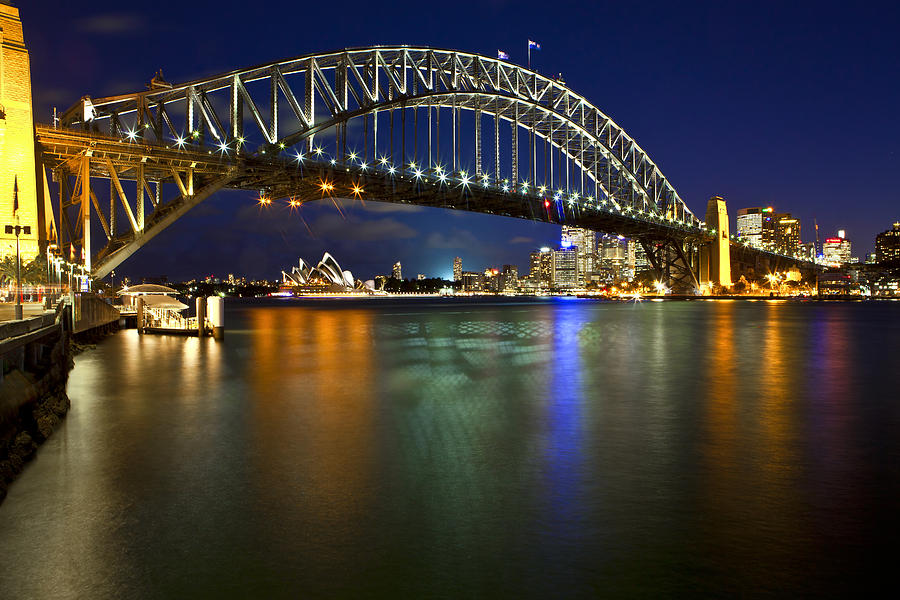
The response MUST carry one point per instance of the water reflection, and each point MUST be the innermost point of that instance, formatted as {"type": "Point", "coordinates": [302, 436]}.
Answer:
{"type": "Point", "coordinates": [421, 449]}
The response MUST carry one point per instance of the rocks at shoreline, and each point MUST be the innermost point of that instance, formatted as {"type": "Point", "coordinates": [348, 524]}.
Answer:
{"type": "Point", "coordinates": [32, 407]}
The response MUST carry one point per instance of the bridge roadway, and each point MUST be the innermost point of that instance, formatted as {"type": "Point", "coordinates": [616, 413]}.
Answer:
{"type": "Point", "coordinates": [309, 179]}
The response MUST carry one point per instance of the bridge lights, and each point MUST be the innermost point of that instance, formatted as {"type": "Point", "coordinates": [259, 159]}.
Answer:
{"type": "Point", "coordinates": [333, 161]}
{"type": "Point", "coordinates": [264, 200]}
{"type": "Point", "coordinates": [352, 156]}
{"type": "Point", "coordinates": [383, 160]}
{"type": "Point", "coordinates": [543, 189]}
{"type": "Point", "coordinates": [363, 166]}
{"type": "Point", "coordinates": [131, 134]}
{"type": "Point", "coordinates": [298, 157]}
{"type": "Point", "coordinates": [418, 173]}
{"type": "Point", "coordinates": [180, 141]}
{"type": "Point", "coordinates": [240, 140]}
{"type": "Point", "coordinates": [223, 147]}
{"type": "Point", "coordinates": [326, 186]}
{"type": "Point", "coordinates": [318, 151]}
{"type": "Point", "coordinates": [281, 145]}
{"type": "Point", "coordinates": [294, 202]}
{"type": "Point", "coordinates": [546, 203]}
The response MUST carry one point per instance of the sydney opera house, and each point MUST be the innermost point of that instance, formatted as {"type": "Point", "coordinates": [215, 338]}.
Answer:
{"type": "Point", "coordinates": [325, 278]}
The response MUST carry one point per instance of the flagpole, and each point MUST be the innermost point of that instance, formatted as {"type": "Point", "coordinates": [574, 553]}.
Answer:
{"type": "Point", "coordinates": [18, 279]}
{"type": "Point", "coordinates": [529, 55]}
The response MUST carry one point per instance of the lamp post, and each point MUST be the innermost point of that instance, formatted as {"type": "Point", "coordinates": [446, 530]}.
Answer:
{"type": "Point", "coordinates": [18, 229]}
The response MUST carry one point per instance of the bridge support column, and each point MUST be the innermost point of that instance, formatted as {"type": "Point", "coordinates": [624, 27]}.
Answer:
{"type": "Point", "coordinates": [18, 170]}
{"type": "Point", "coordinates": [86, 211]}
{"type": "Point", "coordinates": [715, 257]}
{"type": "Point", "coordinates": [671, 262]}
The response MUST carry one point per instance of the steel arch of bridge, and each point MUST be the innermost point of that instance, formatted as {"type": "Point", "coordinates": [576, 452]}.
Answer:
{"type": "Point", "coordinates": [286, 128]}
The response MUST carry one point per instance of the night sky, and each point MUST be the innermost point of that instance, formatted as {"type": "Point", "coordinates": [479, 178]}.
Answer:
{"type": "Point", "coordinates": [765, 103]}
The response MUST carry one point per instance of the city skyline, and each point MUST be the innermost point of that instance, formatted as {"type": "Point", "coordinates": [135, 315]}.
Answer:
{"type": "Point", "coordinates": [747, 99]}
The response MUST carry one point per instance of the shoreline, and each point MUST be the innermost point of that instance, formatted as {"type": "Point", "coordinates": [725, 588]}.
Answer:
{"type": "Point", "coordinates": [33, 404]}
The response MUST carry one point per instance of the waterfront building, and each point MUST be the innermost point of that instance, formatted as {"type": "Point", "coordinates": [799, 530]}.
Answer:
{"type": "Point", "coordinates": [420, 277]}
{"type": "Point", "coordinates": [613, 252]}
{"type": "Point", "coordinates": [787, 234]}
{"type": "Point", "coordinates": [398, 271]}
{"type": "Point", "coordinates": [491, 281]}
{"type": "Point", "coordinates": [457, 269]}
{"type": "Point", "coordinates": [585, 243]}
{"type": "Point", "coordinates": [541, 267]}
{"type": "Point", "coordinates": [887, 247]}
{"type": "Point", "coordinates": [472, 281]}
{"type": "Point", "coordinates": [756, 227]}
{"type": "Point", "coordinates": [836, 250]}
{"type": "Point", "coordinates": [639, 261]}
{"type": "Point", "coordinates": [509, 278]}
{"type": "Point", "coordinates": [565, 268]}
{"type": "Point", "coordinates": [327, 276]}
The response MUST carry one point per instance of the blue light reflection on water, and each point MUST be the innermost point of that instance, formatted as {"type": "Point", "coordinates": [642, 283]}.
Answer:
{"type": "Point", "coordinates": [564, 430]}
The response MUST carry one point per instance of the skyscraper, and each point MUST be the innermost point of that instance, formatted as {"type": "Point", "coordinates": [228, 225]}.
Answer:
{"type": "Point", "coordinates": [457, 269]}
{"type": "Point", "coordinates": [836, 251]}
{"type": "Point", "coordinates": [509, 278]}
{"type": "Point", "coordinates": [541, 267]}
{"type": "Point", "coordinates": [613, 255]}
{"type": "Point", "coordinates": [565, 268]}
{"type": "Point", "coordinates": [887, 247]}
{"type": "Point", "coordinates": [585, 243]}
{"type": "Point", "coordinates": [787, 234]}
{"type": "Point", "coordinates": [640, 261]}
{"type": "Point", "coordinates": [756, 227]}
{"type": "Point", "coordinates": [398, 273]}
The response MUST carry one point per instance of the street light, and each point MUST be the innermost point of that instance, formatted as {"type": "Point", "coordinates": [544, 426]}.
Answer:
{"type": "Point", "coordinates": [18, 229]}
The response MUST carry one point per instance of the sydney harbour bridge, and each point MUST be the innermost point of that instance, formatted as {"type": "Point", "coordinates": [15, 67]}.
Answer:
{"type": "Point", "coordinates": [402, 124]}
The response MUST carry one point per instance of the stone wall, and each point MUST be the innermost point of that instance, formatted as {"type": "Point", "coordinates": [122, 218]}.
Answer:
{"type": "Point", "coordinates": [32, 399]}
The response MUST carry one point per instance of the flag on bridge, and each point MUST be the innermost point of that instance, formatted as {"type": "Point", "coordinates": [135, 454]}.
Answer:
{"type": "Point", "coordinates": [534, 45]}
{"type": "Point", "coordinates": [502, 55]}
{"type": "Point", "coordinates": [15, 195]}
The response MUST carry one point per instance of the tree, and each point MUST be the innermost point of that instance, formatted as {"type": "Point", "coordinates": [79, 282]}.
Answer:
{"type": "Point", "coordinates": [33, 271]}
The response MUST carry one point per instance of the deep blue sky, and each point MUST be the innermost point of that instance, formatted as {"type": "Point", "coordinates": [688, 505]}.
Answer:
{"type": "Point", "coordinates": [779, 103]}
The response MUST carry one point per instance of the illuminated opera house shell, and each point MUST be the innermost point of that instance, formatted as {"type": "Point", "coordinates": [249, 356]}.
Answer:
{"type": "Point", "coordinates": [327, 275]}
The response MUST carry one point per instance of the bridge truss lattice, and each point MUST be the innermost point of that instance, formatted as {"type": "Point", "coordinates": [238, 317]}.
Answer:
{"type": "Point", "coordinates": [398, 124]}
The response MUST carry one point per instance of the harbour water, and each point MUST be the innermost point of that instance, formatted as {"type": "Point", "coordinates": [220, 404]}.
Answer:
{"type": "Point", "coordinates": [445, 448]}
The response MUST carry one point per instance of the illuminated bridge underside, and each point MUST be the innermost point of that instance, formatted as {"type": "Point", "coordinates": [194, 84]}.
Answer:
{"type": "Point", "coordinates": [513, 143]}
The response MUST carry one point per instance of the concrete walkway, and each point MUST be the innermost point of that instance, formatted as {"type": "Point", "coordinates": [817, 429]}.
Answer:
{"type": "Point", "coordinates": [8, 310]}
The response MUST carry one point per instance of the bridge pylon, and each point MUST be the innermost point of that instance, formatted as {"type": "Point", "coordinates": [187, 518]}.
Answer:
{"type": "Point", "coordinates": [715, 256]}
{"type": "Point", "coordinates": [19, 171]}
